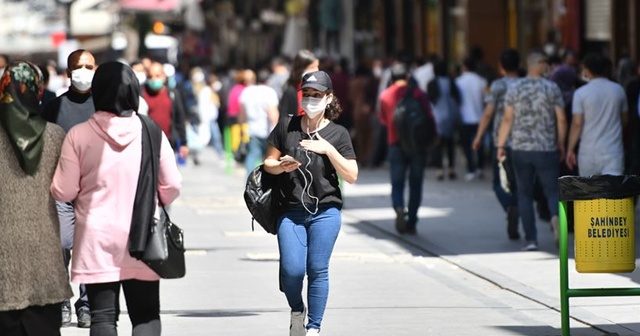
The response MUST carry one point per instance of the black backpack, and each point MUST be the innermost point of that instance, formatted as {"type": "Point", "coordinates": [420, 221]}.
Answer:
{"type": "Point", "coordinates": [261, 199]}
{"type": "Point", "coordinates": [415, 128]}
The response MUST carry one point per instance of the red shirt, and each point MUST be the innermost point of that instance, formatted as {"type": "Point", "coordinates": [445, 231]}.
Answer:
{"type": "Point", "coordinates": [389, 98]}
{"type": "Point", "coordinates": [160, 106]}
{"type": "Point", "coordinates": [233, 101]}
{"type": "Point", "coordinates": [300, 110]}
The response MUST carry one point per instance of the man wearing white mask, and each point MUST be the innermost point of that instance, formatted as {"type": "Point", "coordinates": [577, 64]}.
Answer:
{"type": "Point", "coordinates": [75, 105]}
{"type": "Point", "coordinates": [141, 75]}
{"type": "Point", "coordinates": [71, 108]}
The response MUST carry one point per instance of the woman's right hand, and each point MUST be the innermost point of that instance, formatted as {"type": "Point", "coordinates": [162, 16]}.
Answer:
{"type": "Point", "coordinates": [289, 166]}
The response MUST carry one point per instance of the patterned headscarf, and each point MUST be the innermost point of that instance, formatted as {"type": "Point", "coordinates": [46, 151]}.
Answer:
{"type": "Point", "coordinates": [21, 87]}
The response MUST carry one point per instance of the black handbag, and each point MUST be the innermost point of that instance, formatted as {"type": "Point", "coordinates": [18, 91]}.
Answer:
{"type": "Point", "coordinates": [164, 253]}
{"type": "Point", "coordinates": [157, 242]}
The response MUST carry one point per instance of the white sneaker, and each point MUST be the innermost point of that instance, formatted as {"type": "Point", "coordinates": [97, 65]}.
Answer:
{"type": "Point", "coordinates": [313, 332]}
{"type": "Point", "coordinates": [297, 327]}
{"type": "Point", "coordinates": [531, 245]}
{"type": "Point", "coordinates": [470, 176]}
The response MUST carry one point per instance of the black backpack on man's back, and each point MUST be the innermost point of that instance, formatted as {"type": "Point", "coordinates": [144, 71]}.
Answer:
{"type": "Point", "coordinates": [416, 129]}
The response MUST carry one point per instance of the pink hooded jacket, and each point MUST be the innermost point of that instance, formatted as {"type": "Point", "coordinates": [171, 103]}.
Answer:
{"type": "Point", "coordinates": [98, 170]}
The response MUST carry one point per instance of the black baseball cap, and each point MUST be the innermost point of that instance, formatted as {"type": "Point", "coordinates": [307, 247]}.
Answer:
{"type": "Point", "coordinates": [318, 80]}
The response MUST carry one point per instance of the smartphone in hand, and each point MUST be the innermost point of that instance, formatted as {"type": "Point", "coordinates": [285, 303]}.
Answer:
{"type": "Point", "coordinates": [288, 158]}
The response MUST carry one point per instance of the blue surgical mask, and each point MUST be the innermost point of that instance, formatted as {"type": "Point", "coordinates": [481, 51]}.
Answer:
{"type": "Point", "coordinates": [155, 84]}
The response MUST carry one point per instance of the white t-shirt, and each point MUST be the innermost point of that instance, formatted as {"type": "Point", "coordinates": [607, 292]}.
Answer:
{"type": "Point", "coordinates": [423, 75]}
{"type": "Point", "coordinates": [472, 88]}
{"type": "Point", "coordinates": [143, 107]}
{"type": "Point", "coordinates": [256, 99]}
{"type": "Point", "coordinates": [602, 103]}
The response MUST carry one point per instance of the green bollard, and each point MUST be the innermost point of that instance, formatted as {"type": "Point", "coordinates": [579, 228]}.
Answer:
{"type": "Point", "coordinates": [228, 154]}
{"type": "Point", "coordinates": [564, 268]}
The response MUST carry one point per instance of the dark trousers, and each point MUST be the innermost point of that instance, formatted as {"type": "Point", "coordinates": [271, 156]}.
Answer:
{"type": "Point", "coordinates": [32, 321]}
{"type": "Point", "coordinates": [143, 305]}
{"type": "Point", "coordinates": [400, 163]}
{"type": "Point", "coordinates": [530, 165]}
{"type": "Point", "coordinates": [475, 159]}
{"type": "Point", "coordinates": [446, 146]}
{"type": "Point", "coordinates": [67, 217]}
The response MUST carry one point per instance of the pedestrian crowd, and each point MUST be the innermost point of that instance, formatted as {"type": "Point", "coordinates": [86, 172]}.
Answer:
{"type": "Point", "coordinates": [70, 147]}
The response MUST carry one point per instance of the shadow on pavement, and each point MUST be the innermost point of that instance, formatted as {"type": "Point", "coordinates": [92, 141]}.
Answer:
{"type": "Point", "coordinates": [216, 313]}
{"type": "Point", "coordinates": [549, 331]}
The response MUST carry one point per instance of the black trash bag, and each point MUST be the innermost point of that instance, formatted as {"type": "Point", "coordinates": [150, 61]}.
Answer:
{"type": "Point", "coordinates": [578, 188]}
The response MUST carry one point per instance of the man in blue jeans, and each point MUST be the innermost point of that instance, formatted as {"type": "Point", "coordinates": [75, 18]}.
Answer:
{"type": "Point", "coordinates": [493, 112]}
{"type": "Point", "coordinates": [399, 161]}
{"type": "Point", "coordinates": [534, 116]}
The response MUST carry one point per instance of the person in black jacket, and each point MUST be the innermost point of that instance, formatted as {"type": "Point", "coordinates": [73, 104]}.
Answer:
{"type": "Point", "coordinates": [73, 107]}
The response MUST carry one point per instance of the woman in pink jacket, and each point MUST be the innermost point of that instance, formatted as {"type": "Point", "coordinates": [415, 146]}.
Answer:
{"type": "Point", "coordinates": [98, 170]}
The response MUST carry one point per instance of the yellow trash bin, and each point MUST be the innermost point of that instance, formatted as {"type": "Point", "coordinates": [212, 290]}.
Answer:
{"type": "Point", "coordinates": [604, 235]}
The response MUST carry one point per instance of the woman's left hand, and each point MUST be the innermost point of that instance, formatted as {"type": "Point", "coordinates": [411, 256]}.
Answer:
{"type": "Point", "coordinates": [320, 146]}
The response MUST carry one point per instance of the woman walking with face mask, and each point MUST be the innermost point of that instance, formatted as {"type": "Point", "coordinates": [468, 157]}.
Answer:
{"type": "Point", "coordinates": [309, 153]}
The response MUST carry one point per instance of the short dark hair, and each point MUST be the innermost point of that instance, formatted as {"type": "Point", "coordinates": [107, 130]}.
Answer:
{"type": "Point", "coordinates": [45, 73]}
{"type": "Point", "coordinates": [440, 67]}
{"type": "Point", "coordinates": [75, 56]}
{"type": "Point", "coordinates": [510, 60]}
{"type": "Point", "coordinates": [596, 63]}
{"type": "Point", "coordinates": [469, 63]}
{"type": "Point", "coordinates": [263, 76]}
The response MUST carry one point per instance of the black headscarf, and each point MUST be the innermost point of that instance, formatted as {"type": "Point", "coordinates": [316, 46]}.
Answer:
{"type": "Point", "coordinates": [21, 87]}
{"type": "Point", "coordinates": [115, 89]}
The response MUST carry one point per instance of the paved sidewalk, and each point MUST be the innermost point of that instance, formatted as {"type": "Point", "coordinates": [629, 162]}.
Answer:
{"type": "Point", "coordinates": [459, 276]}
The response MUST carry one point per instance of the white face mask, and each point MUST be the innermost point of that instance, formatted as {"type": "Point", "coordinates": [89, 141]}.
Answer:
{"type": "Point", "coordinates": [217, 86]}
{"type": "Point", "coordinates": [141, 76]}
{"type": "Point", "coordinates": [313, 106]}
{"type": "Point", "coordinates": [81, 79]}
{"type": "Point", "coordinates": [377, 72]}
{"type": "Point", "coordinates": [198, 77]}
{"type": "Point", "coordinates": [1, 72]}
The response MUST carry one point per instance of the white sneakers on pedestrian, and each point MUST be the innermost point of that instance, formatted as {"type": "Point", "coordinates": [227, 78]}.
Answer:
{"type": "Point", "coordinates": [313, 332]}
{"type": "Point", "coordinates": [297, 327]}
{"type": "Point", "coordinates": [531, 245]}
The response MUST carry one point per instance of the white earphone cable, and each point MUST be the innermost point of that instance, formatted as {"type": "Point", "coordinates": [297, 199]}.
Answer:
{"type": "Point", "coordinates": [308, 183]}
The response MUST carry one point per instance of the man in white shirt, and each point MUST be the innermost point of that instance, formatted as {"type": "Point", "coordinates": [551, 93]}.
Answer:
{"type": "Point", "coordinates": [599, 111]}
{"type": "Point", "coordinates": [259, 109]}
{"type": "Point", "coordinates": [472, 87]}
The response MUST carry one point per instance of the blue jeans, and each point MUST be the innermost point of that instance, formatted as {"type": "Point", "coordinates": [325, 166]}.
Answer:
{"type": "Point", "coordinates": [399, 163]}
{"type": "Point", "coordinates": [306, 242]}
{"type": "Point", "coordinates": [216, 137]}
{"type": "Point", "coordinates": [256, 153]}
{"type": "Point", "coordinates": [529, 165]}
{"type": "Point", "coordinates": [507, 200]}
